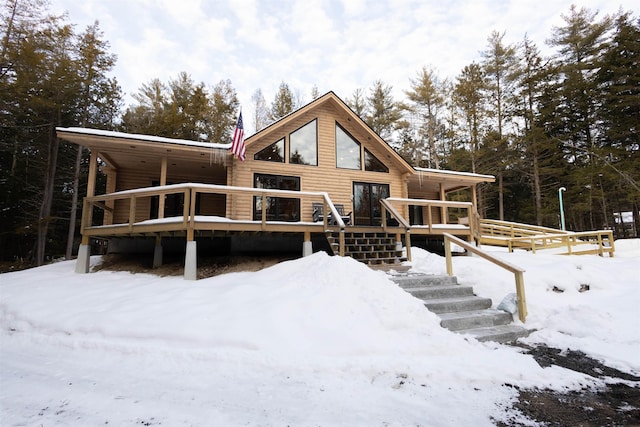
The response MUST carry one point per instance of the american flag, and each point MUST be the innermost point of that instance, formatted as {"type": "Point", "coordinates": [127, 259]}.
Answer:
{"type": "Point", "coordinates": [237, 145]}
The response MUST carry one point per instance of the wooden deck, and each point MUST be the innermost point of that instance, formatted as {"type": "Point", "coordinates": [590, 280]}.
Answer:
{"type": "Point", "coordinates": [192, 224]}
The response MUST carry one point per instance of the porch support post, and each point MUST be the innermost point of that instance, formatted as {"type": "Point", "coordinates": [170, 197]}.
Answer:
{"type": "Point", "coordinates": [157, 253]}
{"type": "Point", "coordinates": [190, 261]}
{"type": "Point", "coordinates": [398, 241]}
{"type": "Point", "coordinates": [157, 250]}
{"type": "Point", "coordinates": [307, 247]}
{"type": "Point", "coordinates": [112, 175]}
{"type": "Point", "coordinates": [191, 254]}
{"type": "Point", "coordinates": [163, 181]}
{"type": "Point", "coordinates": [474, 197]}
{"type": "Point", "coordinates": [91, 179]}
{"type": "Point", "coordinates": [443, 209]}
{"type": "Point", "coordinates": [84, 253]}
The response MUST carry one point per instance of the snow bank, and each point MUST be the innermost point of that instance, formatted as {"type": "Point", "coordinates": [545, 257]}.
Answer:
{"type": "Point", "coordinates": [316, 341]}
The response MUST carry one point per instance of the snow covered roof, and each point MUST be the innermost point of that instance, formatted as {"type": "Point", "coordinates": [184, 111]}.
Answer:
{"type": "Point", "coordinates": [148, 138]}
{"type": "Point", "coordinates": [459, 174]}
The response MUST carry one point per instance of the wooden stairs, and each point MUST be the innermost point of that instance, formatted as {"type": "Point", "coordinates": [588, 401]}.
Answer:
{"type": "Point", "coordinates": [377, 249]}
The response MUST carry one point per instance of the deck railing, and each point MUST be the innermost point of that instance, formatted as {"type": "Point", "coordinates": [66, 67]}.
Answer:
{"type": "Point", "coordinates": [587, 242]}
{"type": "Point", "coordinates": [508, 229]}
{"type": "Point", "coordinates": [445, 207]}
{"type": "Point", "coordinates": [517, 271]}
{"type": "Point", "coordinates": [190, 191]}
{"type": "Point", "coordinates": [515, 235]}
{"type": "Point", "coordinates": [388, 208]}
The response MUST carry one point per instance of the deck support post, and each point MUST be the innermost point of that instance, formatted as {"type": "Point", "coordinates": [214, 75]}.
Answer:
{"type": "Point", "coordinates": [307, 247]}
{"type": "Point", "coordinates": [157, 253]}
{"type": "Point", "coordinates": [190, 261]}
{"type": "Point", "coordinates": [84, 254]}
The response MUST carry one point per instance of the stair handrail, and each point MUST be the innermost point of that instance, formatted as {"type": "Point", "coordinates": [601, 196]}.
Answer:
{"type": "Point", "coordinates": [328, 203]}
{"type": "Point", "coordinates": [387, 207]}
{"type": "Point", "coordinates": [517, 271]}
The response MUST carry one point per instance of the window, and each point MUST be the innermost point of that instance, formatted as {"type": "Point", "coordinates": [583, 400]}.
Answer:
{"type": "Point", "coordinates": [173, 203]}
{"type": "Point", "coordinates": [273, 153]}
{"type": "Point", "coordinates": [303, 145]}
{"type": "Point", "coordinates": [277, 208]}
{"type": "Point", "coordinates": [371, 163]}
{"type": "Point", "coordinates": [347, 150]}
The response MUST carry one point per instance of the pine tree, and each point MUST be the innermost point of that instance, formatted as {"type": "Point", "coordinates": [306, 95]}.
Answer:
{"type": "Point", "coordinates": [260, 111]}
{"type": "Point", "coordinates": [147, 117]}
{"type": "Point", "coordinates": [426, 103]}
{"type": "Point", "coordinates": [358, 103]}
{"type": "Point", "coordinates": [42, 85]}
{"type": "Point", "coordinates": [619, 82]}
{"type": "Point", "coordinates": [580, 42]}
{"type": "Point", "coordinates": [538, 152]}
{"type": "Point", "coordinates": [183, 109]}
{"type": "Point", "coordinates": [99, 104]}
{"type": "Point", "coordinates": [468, 98]}
{"type": "Point", "coordinates": [499, 67]}
{"type": "Point", "coordinates": [384, 113]}
{"type": "Point", "coordinates": [224, 108]}
{"type": "Point", "coordinates": [283, 103]}
{"type": "Point", "coordinates": [315, 93]}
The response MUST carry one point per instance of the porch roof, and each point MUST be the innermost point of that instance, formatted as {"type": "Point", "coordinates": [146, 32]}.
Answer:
{"type": "Point", "coordinates": [429, 180]}
{"type": "Point", "coordinates": [126, 150]}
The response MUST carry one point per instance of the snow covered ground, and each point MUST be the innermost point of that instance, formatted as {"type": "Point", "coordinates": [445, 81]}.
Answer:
{"type": "Point", "coordinates": [319, 341]}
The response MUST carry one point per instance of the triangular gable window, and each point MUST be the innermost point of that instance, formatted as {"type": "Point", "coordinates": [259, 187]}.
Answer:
{"type": "Point", "coordinates": [273, 153]}
{"type": "Point", "coordinates": [371, 163]}
{"type": "Point", "coordinates": [347, 150]}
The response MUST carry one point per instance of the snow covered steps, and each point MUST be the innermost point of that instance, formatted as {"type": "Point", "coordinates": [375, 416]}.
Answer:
{"type": "Point", "coordinates": [459, 309]}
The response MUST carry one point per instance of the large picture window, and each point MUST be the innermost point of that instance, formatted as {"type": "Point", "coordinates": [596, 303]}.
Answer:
{"type": "Point", "coordinates": [277, 208]}
{"type": "Point", "coordinates": [350, 156]}
{"type": "Point", "coordinates": [347, 150]}
{"type": "Point", "coordinates": [303, 145]}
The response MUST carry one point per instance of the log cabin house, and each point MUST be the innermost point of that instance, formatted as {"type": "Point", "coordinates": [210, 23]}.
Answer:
{"type": "Point", "coordinates": [320, 177]}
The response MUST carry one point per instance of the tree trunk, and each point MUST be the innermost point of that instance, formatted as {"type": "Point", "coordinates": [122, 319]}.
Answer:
{"type": "Point", "coordinates": [14, 159]}
{"type": "Point", "coordinates": [47, 196]}
{"type": "Point", "coordinates": [501, 196]}
{"type": "Point", "coordinates": [74, 205]}
{"type": "Point", "coordinates": [537, 191]}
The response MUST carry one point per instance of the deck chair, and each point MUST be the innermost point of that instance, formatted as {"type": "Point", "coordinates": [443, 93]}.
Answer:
{"type": "Point", "coordinates": [318, 214]}
{"type": "Point", "coordinates": [346, 218]}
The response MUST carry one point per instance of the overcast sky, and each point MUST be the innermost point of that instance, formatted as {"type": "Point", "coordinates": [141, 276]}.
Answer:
{"type": "Point", "coordinates": [337, 45]}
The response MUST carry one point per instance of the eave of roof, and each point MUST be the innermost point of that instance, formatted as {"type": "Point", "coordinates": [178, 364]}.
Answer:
{"type": "Point", "coordinates": [457, 175]}
{"type": "Point", "coordinates": [140, 137]}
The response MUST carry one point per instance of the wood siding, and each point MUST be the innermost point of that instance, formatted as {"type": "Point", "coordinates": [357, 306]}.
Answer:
{"type": "Point", "coordinates": [129, 179]}
{"type": "Point", "coordinates": [325, 177]}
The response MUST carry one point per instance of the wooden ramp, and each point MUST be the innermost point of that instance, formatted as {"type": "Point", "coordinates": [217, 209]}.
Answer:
{"type": "Point", "coordinates": [515, 235]}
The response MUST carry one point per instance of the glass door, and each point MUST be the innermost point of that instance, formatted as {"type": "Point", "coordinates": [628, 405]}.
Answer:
{"type": "Point", "coordinates": [366, 202]}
